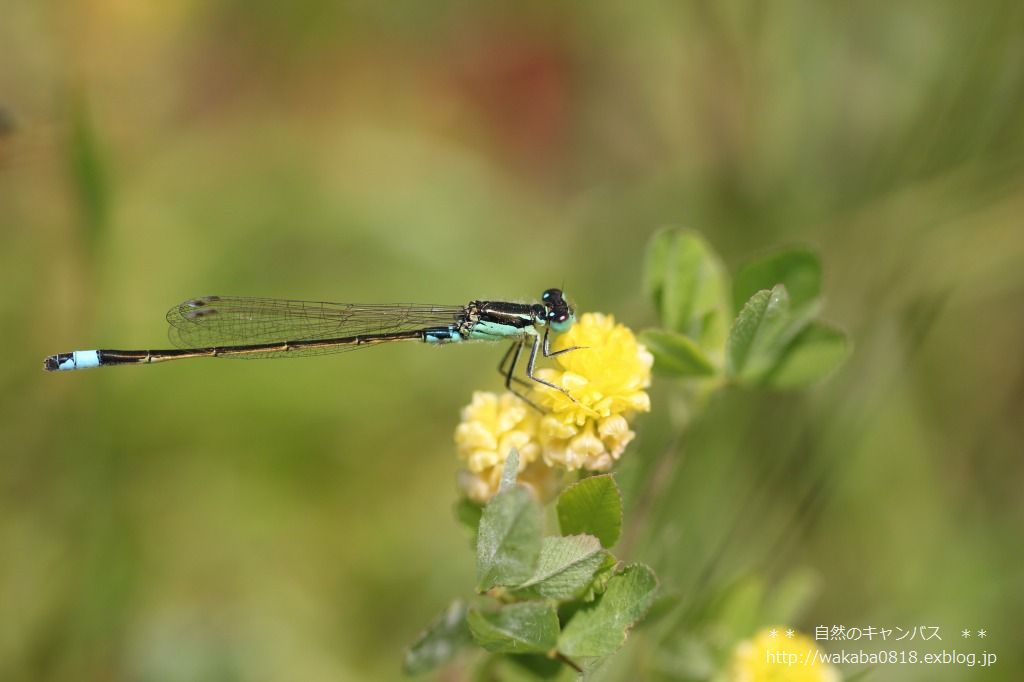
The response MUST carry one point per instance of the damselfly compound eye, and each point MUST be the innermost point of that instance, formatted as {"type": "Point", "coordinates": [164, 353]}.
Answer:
{"type": "Point", "coordinates": [552, 295]}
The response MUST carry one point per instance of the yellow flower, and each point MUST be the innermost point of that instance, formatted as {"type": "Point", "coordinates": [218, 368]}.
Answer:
{"type": "Point", "coordinates": [491, 427]}
{"type": "Point", "coordinates": [606, 376]}
{"type": "Point", "coordinates": [765, 658]}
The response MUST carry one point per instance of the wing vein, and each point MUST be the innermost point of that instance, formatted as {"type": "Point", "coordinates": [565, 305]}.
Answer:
{"type": "Point", "coordinates": [235, 320]}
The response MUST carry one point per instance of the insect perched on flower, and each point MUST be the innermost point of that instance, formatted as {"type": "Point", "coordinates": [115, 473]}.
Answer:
{"type": "Point", "coordinates": [586, 427]}
{"type": "Point", "coordinates": [606, 379]}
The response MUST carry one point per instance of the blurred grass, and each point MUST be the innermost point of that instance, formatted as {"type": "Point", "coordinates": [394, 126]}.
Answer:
{"type": "Point", "coordinates": [292, 520]}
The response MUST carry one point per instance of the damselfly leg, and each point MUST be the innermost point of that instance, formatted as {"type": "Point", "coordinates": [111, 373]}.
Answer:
{"type": "Point", "coordinates": [507, 372]}
{"type": "Point", "coordinates": [532, 362]}
{"type": "Point", "coordinates": [547, 347]}
{"type": "Point", "coordinates": [507, 368]}
{"type": "Point", "coordinates": [515, 350]}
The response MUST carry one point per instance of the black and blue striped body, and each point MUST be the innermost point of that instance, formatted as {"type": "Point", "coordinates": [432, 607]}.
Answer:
{"type": "Point", "coordinates": [203, 319]}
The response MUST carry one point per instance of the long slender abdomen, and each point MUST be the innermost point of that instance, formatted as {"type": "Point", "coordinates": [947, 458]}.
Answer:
{"type": "Point", "coordinates": [87, 359]}
{"type": "Point", "coordinates": [84, 359]}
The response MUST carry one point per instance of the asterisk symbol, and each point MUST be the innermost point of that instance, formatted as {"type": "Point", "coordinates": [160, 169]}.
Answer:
{"type": "Point", "coordinates": [966, 633]}
{"type": "Point", "coordinates": [773, 633]}
{"type": "Point", "coordinates": [982, 633]}
{"type": "Point", "coordinates": [790, 633]}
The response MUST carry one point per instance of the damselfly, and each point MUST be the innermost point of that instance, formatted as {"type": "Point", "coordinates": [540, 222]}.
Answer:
{"type": "Point", "coordinates": [241, 327]}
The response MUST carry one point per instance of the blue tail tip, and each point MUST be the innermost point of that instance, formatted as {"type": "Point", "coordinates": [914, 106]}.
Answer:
{"type": "Point", "coordinates": [79, 359]}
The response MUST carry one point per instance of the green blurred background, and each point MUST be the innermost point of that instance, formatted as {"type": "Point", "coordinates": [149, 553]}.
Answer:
{"type": "Point", "coordinates": [292, 520]}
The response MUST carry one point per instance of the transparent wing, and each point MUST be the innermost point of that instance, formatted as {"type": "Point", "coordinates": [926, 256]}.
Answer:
{"type": "Point", "coordinates": [234, 320]}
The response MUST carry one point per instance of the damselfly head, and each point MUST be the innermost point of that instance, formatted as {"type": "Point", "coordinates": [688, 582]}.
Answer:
{"type": "Point", "coordinates": [559, 314]}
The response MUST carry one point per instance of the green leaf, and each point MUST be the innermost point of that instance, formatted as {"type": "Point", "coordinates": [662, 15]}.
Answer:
{"type": "Point", "coordinates": [468, 514]}
{"type": "Point", "coordinates": [798, 269]}
{"type": "Point", "coordinates": [686, 280]}
{"type": "Point", "coordinates": [599, 629]}
{"type": "Point", "coordinates": [603, 574]}
{"type": "Point", "coordinates": [656, 263]}
{"type": "Point", "coordinates": [440, 641]}
{"type": "Point", "coordinates": [761, 333]}
{"type": "Point", "coordinates": [676, 355]}
{"type": "Point", "coordinates": [810, 356]}
{"type": "Point", "coordinates": [523, 668]}
{"type": "Point", "coordinates": [509, 539]}
{"type": "Point", "coordinates": [749, 323]}
{"type": "Point", "coordinates": [533, 667]}
{"type": "Point", "coordinates": [566, 567]}
{"type": "Point", "coordinates": [528, 627]}
{"type": "Point", "coordinates": [592, 506]}
{"type": "Point", "coordinates": [510, 472]}
{"type": "Point", "coordinates": [662, 606]}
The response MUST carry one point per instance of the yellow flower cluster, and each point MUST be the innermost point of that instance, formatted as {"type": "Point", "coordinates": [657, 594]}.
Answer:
{"type": "Point", "coordinates": [491, 427]}
{"type": "Point", "coordinates": [778, 658]}
{"type": "Point", "coordinates": [606, 376]}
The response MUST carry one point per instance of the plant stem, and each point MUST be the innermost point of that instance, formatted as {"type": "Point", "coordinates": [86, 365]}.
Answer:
{"type": "Point", "coordinates": [568, 661]}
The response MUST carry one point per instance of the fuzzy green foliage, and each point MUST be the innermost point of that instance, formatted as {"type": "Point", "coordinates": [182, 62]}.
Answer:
{"type": "Point", "coordinates": [565, 597]}
{"type": "Point", "coordinates": [775, 339]}
{"type": "Point", "coordinates": [534, 578]}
